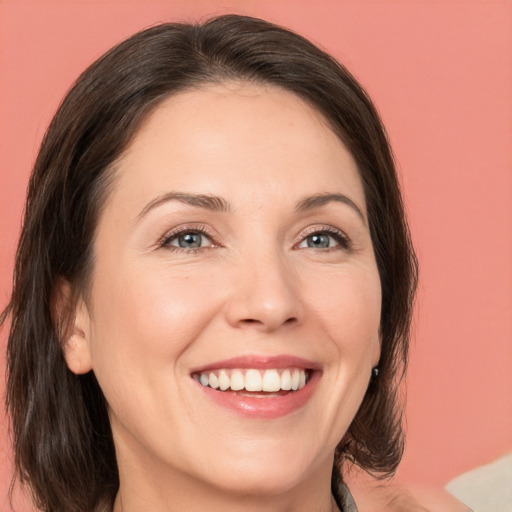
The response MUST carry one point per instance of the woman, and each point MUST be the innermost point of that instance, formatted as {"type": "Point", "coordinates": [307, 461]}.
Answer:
{"type": "Point", "coordinates": [214, 282]}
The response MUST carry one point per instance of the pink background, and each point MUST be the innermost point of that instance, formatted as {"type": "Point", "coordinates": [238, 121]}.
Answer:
{"type": "Point", "coordinates": [440, 73]}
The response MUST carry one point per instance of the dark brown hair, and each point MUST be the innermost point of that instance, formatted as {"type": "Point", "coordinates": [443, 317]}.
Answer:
{"type": "Point", "coordinates": [63, 444]}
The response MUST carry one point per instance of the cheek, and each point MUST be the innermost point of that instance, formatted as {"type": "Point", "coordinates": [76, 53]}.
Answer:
{"type": "Point", "coordinates": [145, 319]}
{"type": "Point", "coordinates": [349, 306]}
{"type": "Point", "coordinates": [347, 309]}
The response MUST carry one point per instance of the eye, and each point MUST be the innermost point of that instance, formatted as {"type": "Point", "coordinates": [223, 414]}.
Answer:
{"type": "Point", "coordinates": [325, 239]}
{"type": "Point", "coordinates": [188, 240]}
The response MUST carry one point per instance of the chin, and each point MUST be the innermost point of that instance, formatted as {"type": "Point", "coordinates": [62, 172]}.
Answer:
{"type": "Point", "coordinates": [267, 470]}
{"type": "Point", "coordinates": [258, 481]}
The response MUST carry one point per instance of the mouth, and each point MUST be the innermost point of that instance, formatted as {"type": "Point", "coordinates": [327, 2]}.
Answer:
{"type": "Point", "coordinates": [254, 380]}
{"type": "Point", "coordinates": [259, 387]}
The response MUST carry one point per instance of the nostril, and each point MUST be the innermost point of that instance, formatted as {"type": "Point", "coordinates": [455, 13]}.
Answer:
{"type": "Point", "coordinates": [290, 320]}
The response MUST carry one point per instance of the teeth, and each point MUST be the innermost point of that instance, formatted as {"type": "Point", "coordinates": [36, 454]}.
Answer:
{"type": "Point", "coordinates": [286, 380]}
{"type": "Point", "coordinates": [253, 380]}
{"type": "Point", "coordinates": [295, 380]}
{"type": "Point", "coordinates": [269, 381]}
{"type": "Point", "coordinates": [237, 380]}
{"type": "Point", "coordinates": [213, 381]}
{"type": "Point", "coordinates": [302, 380]}
{"type": "Point", "coordinates": [224, 381]}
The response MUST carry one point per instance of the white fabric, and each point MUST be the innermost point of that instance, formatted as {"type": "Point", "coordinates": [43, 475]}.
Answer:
{"type": "Point", "coordinates": [487, 488]}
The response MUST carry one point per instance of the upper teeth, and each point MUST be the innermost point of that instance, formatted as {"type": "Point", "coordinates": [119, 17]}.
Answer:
{"type": "Point", "coordinates": [254, 380]}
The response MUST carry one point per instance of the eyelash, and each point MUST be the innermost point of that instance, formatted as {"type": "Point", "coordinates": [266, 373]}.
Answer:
{"type": "Point", "coordinates": [183, 230]}
{"type": "Point", "coordinates": [341, 238]}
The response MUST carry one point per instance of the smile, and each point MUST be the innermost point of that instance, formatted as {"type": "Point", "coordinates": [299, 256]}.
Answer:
{"type": "Point", "coordinates": [264, 387]}
{"type": "Point", "coordinates": [255, 380]}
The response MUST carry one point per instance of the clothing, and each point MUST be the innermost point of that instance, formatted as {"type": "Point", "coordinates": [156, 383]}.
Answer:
{"type": "Point", "coordinates": [487, 488]}
{"type": "Point", "coordinates": [347, 504]}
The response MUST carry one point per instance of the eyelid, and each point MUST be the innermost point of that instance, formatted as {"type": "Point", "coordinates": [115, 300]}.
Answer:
{"type": "Point", "coordinates": [188, 228]}
{"type": "Point", "coordinates": [342, 238]}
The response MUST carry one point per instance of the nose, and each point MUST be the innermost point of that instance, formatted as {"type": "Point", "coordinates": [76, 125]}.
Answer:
{"type": "Point", "coordinates": [264, 295]}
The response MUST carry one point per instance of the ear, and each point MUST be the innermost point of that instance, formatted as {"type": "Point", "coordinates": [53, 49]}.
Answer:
{"type": "Point", "coordinates": [72, 320]}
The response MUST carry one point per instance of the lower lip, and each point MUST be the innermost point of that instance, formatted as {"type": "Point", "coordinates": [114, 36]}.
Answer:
{"type": "Point", "coordinates": [264, 407]}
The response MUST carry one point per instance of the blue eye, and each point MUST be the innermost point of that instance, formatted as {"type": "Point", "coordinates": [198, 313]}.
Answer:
{"type": "Point", "coordinates": [325, 240]}
{"type": "Point", "coordinates": [188, 240]}
{"type": "Point", "coordinates": [319, 241]}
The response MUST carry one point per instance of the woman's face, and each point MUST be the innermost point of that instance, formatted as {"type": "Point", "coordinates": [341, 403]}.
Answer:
{"type": "Point", "coordinates": [233, 252]}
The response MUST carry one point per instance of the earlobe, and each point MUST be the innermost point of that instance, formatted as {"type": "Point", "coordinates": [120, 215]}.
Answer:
{"type": "Point", "coordinates": [76, 346]}
{"type": "Point", "coordinates": [73, 323]}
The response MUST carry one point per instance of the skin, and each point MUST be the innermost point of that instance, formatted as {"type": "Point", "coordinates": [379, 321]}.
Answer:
{"type": "Point", "coordinates": [254, 287]}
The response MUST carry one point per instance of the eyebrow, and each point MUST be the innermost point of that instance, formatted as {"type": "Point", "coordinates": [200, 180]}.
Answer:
{"type": "Point", "coordinates": [218, 204]}
{"type": "Point", "coordinates": [322, 199]}
{"type": "Point", "coordinates": [205, 201]}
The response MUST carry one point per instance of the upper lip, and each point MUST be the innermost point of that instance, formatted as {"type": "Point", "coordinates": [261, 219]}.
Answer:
{"type": "Point", "coordinates": [259, 362]}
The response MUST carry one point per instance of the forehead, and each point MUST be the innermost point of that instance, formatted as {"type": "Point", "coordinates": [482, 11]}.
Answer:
{"type": "Point", "coordinates": [233, 137]}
